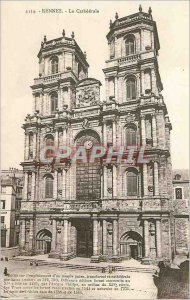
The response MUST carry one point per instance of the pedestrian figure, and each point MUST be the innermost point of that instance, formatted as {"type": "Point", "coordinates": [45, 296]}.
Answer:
{"type": "Point", "coordinates": [5, 271]}
{"type": "Point", "coordinates": [110, 269]}
{"type": "Point", "coordinates": [103, 270]}
{"type": "Point", "coordinates": [31, 263]}
{"type": "Point", "coordinates": [36, 263]}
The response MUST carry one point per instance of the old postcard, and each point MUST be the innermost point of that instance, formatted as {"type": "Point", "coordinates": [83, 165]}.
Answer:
{"type": "Point", "coordinates": [94, 179]}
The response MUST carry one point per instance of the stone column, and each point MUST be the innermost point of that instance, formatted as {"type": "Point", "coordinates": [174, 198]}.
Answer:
{"type": "Point", "coordinates": [145, 180]}
{"type": "Point", "coordinates": [54, 235]}
{"type": "Point", "coordinates": [115, 237]}
{"type": "Point", "coordinates": [71, 181]}
{"type": "Point", "coordinates": [65, 240]}
{"type": "Point", "coordinates": [95, 257]}
{"type": "Point", "coordinates": [114, 178]}
{"type": "Point", "coordinates": [69, 237]}
{"type": "Point", "coordinates": [31, 235]}
{"type": "Point", "coordinates": [57, 138]}
{"type": "Point", "coordinates": [60, 105]}
{"type": "Point", "coordinates": [64, 136]}
{"type": "Point", "coordinates": [33, 186]}
{"type": "Point", "coordinates": [156, 181]}
{"type": "Point", "coordinates": [142, 82]}
{"type": "Point", "coordinates": [153, 79]}
{"type": "Point", "coordinates": [65, 237]}
{"type": "Point", "coordinates": [104, 238]}
{"type": "Point", "coordinates": [114, 133]}
{"type": "Point", "coordinates": [26, 146]}
{"type": "Point", "coordinates": [25, 189]}
{"type": "Point", "coordinates": [143, 131]}
{"type": "Point", "coordinates": [146, 238]}
{"type": "Point", "coordinates": [55, 187]}
{"type": "Point", "coordinates": [158, 238]}
{"type": "Point", "coordinates": [107, 89]}
{"type": "Point", "coordinates": [105, 134]}
{"type": "Point", "coordinates": [154, 135]}
{"type": "Point", "coordinates": [105, 181]}
{"type": "Point", "coordinates": [69, 99]}
{"type": "Point", "coordinates": [116, 89]}
{"type": "Point", "coordinates": [41, 103]}
{"type": "Point", "coordinates": [63, 183]}
{"type": "Point", "coordinates": [34, 144]}
{"type": "Point", "coordinates": [22, 234]}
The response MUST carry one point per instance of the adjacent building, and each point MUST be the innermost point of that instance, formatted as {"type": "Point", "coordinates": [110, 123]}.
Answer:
{"type": "Point", "coordinates": [104, 211]}
{"type": "Point", "coordinates": [11, 195]}
{"type": "Point", "coordinates": [181, 211]}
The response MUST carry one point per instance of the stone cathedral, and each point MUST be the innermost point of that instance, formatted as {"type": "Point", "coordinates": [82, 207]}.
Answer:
{"type": "Point", "coordinates": [102, 211]}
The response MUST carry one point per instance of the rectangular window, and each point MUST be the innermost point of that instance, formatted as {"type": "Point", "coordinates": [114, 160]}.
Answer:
{"type": "Point", "coordinates": [2, 204]}
{"type": "Point", "coordinates": [2, 220]}
{"type": "Point", "coordinates": [178, 193]}
{"type": "Point", "coordinates": [3, 189]}
{"type": "Point", "coordinates": [148, 124]}
{"type": "Point", "coordinates": [131, 184]}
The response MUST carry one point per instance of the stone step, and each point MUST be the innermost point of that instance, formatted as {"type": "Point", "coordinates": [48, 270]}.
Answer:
{"type": "Point", "coordinates": [85, 267]}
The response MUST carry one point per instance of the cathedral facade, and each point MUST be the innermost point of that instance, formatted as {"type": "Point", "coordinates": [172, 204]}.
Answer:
{"type": "Point", "coordinates": [107, 211]}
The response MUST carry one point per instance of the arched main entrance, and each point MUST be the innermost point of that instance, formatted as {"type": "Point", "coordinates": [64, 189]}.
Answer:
{"type": "Point", "coordinates": [88, 174]}
{"type": "Point", "coordinates": [43, 241]}
{"type": "Point", "coordinates": [131, 245]}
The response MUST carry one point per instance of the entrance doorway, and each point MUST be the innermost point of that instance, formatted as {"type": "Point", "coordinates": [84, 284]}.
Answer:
{"type": "Point", "coordinates": [48, 246]}
{"type": "Point", "coordinates": [134, 251]}
{"type": "Point", "coordinates": [131, 245]}
{"type": "Point", "coordinates": [43, 241]}
{"type": "Point", "coordinates": [84, 238]}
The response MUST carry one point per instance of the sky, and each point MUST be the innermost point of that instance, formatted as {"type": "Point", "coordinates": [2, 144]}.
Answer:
{"type": "Point", "coordinates": [21, 36]}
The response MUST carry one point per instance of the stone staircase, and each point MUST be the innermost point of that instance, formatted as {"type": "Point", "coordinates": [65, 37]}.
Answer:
{"type": "Point", "coordinates": [101, 267]}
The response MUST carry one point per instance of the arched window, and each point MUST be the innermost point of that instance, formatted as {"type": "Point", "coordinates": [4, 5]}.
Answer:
{"type": "Point", "coordinates": [54, 65]}
{"type": "Point", "coordinates": [130, 46]}
{"type": "Point", "coordinates": [131, 88]}
{"type": "Point", "coordinates": [49, 143]}
{"type": "Point", "coordinates": [178, 193]}
{"type": "Point", "coordinates": [49, 186]}
{"type": "Point", "coordinates": [131, 136]}
{"type": "Point", "coordinates": [177, 177]}
{"type": "Point", "coordinates": [54, 102]}
{"type": "Point", "coordinates": [132, 182]}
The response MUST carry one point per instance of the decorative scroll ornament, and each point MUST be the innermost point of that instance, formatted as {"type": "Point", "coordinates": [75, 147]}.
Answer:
{"type": "Point", "coordinates": [59, 191]}
{"type": "Point", "coordinates": [67, 166]}
{"type": "Point", "coordinates": [48, 128]}
{"type": "Point", "coordinates": [130, 118]}
{"type": "Point", "coordinates": [85, 123]}
{"type": "Point", "coordinates": [132, 162]}
{"type": "Point", "coordinates": [110, 190]}
{"type": "Point", "coordinates": [48, 168]}
{"type": "Point", "coordinates": [88, 96]}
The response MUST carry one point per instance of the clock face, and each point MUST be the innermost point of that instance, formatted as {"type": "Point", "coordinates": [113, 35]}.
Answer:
{"type": "Point", "coordinates": [88, 145]}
